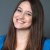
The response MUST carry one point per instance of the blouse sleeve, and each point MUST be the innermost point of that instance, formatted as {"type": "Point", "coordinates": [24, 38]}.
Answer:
{"type": "Point", "coordinates": [46, 45]}
{"type": "Point", "coordinates": [2, 38]}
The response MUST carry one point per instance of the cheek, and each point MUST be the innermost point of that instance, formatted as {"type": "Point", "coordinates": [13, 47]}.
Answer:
{"type": "Point", "coordinates": [29, 20]}
{"type": "Point", "coordinates": [16, 14]}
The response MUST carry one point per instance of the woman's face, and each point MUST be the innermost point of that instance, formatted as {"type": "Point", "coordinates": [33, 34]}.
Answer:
{"type": "Point", "coordinates": [23, 16]}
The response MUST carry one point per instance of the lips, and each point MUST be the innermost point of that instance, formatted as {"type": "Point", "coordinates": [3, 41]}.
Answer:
{"type": "Point", "coordinates": [20, 21]}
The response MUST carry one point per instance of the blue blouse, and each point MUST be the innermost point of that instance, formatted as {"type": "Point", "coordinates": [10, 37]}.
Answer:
{"type": "Point", "coordinates": [46, 45]}
{"type": "Point", "coordinates": [2, 39]}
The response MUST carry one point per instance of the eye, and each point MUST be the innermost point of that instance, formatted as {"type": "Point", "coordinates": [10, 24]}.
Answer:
{"type": "Point", "coordinates": [19, 10]}
{"type": "Point", "coordinates": [29, 14]}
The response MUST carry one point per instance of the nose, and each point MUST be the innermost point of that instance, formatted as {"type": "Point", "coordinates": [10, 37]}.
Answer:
{"type": "Point", "coordinates": [21, 16]}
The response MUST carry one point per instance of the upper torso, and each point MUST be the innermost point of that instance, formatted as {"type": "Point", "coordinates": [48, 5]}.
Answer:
{"type": "Point", "coordinates": [45, 45]}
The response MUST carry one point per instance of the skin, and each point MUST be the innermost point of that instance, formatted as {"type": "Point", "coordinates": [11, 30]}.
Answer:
{"type": "Point", "coordinates": [22, 21]}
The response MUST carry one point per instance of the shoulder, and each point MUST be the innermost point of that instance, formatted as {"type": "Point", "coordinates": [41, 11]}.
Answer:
{"type": "Point", "coordinates": [2, 39]}
{"type": "Point", "coordinates": [46, 45]}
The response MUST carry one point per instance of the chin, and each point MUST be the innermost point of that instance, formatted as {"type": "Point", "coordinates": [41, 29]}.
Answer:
{"type": "Point", "coordinates": [22, 28]}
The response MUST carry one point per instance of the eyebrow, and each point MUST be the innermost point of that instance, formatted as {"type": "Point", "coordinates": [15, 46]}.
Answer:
{"type": "Point", "coordinates": [20, 7]}
{"type": "Point", "coordinates": [29, 12]}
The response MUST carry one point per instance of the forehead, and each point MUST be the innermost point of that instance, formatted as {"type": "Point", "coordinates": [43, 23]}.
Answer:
{"type": "Point", "coordinates": [25, 5]}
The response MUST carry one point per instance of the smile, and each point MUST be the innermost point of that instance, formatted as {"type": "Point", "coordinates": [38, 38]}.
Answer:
{"type": "Point", "coordinates": [20, 21]}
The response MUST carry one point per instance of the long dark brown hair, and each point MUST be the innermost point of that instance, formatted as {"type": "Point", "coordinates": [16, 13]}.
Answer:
{"type": "Point", "coordinates": [36, 29]}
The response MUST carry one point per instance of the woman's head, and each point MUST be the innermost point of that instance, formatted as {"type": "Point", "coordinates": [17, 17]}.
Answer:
{"type": "Point", "coordinates": [22, 17]}
{"type": "Point", "coordinates": [27, 13]}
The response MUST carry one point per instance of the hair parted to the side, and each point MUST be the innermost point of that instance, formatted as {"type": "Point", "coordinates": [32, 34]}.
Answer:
{"type": "Point", "coordinates": [36, 29]}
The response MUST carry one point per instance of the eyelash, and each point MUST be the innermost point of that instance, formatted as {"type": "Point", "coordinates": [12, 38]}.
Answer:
{"type": "Point", "coordinates": [28, 14]}
{"type": "Point", "coordinates": [18, 10]}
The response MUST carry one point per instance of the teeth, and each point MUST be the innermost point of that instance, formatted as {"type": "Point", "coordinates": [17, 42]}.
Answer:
{"type": "Point", "coordinates": [20, 21]}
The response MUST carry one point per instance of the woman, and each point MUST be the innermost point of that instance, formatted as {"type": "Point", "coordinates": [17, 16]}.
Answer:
{"type": "Point", "coordinates": [26, 27]}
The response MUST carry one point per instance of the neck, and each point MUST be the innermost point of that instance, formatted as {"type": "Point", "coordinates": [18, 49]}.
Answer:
{"type": "Point", "coordinates": [22, 38]}
{"type": "Point", "coordinates": [22, 33]}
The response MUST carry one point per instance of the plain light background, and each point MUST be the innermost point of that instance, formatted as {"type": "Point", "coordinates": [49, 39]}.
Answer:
{"type": "Point", "coordinates": [6, 11]}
